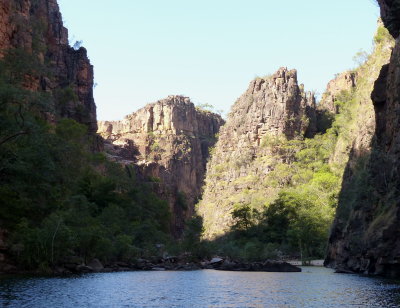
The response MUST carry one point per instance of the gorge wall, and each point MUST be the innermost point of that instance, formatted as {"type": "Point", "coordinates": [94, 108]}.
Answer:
{"type": "Point", "coordinates": [365, 234]}
{"type": "Point", "coordinates": [390, 12]}
{"type": "Point", "coordinates": [34, 29]}
{"type": "Point", "coordinates": [272, 107]}
{"type": "Point", "coordinates": [43, 82]}
{"type": "Point", "coordinates": [275, 176]}
{"type": "Point", "coordinates": [169, 141]}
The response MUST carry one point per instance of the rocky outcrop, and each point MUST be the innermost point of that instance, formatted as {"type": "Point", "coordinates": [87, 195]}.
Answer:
{"type": "Point", "coordinates": [272, 107]}
{"type": "Point", "coordinates": [366, 232]}
{"type": "Point", "coordinates": [171, 263]}
{"type": "Point", "coordinates": [267, 266]}
{"type": "Point", "coordinates": [169, 141]}
{"type": "Point", "coordinates": [35, 27]}
{"type": "Point", "coordinates": [345, 82]}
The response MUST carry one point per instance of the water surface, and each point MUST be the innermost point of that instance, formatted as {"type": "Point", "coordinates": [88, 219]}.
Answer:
{"type": "Point", "coordinates": [314, 287]}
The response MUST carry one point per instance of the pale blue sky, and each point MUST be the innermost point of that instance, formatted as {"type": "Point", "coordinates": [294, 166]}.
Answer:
{"type": "Point", "coordinates": [209, 50]}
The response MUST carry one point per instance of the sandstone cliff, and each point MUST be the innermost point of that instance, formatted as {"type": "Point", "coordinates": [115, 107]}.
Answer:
{"type": "Point", "coordinates": [169, 141]}
{"type": "Point", "coordinates": [365, 234]}
{"type": "Point", "coordinates": [35, 27]}
{"type": "Point", "coordinates": [272, 107]}
{"type": "Point", "coordinates": [343, 82]}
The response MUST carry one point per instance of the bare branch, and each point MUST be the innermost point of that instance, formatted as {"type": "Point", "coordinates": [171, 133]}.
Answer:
{"type": "Point", "coordinates": [9, 138]}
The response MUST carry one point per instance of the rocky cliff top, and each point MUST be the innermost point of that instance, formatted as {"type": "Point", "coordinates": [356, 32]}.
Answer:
{"type": "Point", "coordinates": [174, 114]}
{"type": "Point", "coordinates": [275, 105]}
{"type": "Point", "coordinates": [272, 107]}
{"type": "Point", "coordinates": [36, 28]}
{"type": "Point", "coordinates": [169, 140]}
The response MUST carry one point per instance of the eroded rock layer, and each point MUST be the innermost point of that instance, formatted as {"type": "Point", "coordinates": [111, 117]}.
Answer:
{"type": "Point", "coordinates": [169, 141]}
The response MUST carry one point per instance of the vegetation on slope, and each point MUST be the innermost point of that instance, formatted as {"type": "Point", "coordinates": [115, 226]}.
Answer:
{"type": "Point", "coordinates": [288, 211]}
{"type": "Point", "coordinates": [60, 199]}
{"type": "Point", "coordinates": [57, 197]}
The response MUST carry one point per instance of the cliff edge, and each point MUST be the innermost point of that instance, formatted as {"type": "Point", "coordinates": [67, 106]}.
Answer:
{"type": "Point", "coordinates": [169, 141]}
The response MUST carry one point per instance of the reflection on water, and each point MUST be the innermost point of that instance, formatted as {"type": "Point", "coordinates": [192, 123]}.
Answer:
{"type": "Point", "coordinates": [314, 287]}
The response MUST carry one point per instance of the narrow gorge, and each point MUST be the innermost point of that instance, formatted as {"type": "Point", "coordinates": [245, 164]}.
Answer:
{"type": "Point", "coordinates": [286, 176]}
{"type": "Point", "coordinates": [365, 234]}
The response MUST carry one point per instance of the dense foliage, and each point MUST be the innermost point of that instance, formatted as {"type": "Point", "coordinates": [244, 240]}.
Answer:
{"type": "Point", "coordinates": [297, 221]}
{"type": "Point", "coordinates": [58, 198]}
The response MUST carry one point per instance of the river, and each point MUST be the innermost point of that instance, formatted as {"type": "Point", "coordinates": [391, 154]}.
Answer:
{"type": "Point", "coordinates": [313, 287]}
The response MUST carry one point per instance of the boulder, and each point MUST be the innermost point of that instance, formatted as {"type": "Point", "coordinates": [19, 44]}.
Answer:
{"type": "Point", "coordinates": [83, 269]}
{"type": "Point", "coordinates": [96, 265]}
{"type": "Point", "coordinates": [59, 270]}
{"type": "Point", "coordinates": [216, 260]}
{"type": "Point", "coordinates": [273, 266]}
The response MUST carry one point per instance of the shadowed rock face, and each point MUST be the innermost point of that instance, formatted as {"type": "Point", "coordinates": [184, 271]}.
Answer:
{"type": "Point", "coordinates": [169, 141]}
{"type": "Point", "coordinates": [390, 12]}
{"type": "Point", "coordinates": [366, 234]}
{"type": "Point", "coordinates": [272, 106]}
{"type": "Point", "coordinates": [36, 27]}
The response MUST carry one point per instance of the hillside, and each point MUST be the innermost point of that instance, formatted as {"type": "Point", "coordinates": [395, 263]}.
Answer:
{"type": "Point", "coordinates": [60, 197]}
{"type": "Point", "coordinates": [275, 175]}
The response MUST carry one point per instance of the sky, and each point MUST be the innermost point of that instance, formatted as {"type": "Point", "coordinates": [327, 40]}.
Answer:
{"type": "Point", "coordinates": [210, 50]}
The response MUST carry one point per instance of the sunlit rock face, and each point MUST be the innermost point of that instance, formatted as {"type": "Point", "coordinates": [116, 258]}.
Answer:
{"type": "Point", "coordinates": [346, 81]}
{"type": "Point", "coordinates": [35, 26]}
{"type": "Point", "coordinates": [169, 141]}
{"type": "Point", "coordinates": [275, 105]}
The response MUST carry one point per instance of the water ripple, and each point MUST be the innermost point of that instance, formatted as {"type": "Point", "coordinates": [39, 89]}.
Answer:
{"type": "Point", "coordinates": [314, 287]}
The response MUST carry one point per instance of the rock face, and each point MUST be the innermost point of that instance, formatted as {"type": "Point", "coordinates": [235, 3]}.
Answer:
{"type": "Point", "coordinates": [346, 81]}
{"type": "Point", "coordinates": [366, 234]}
{"type": "Point", "coordinates": [390, 12]}
{"type": "Point", "coordinates": [35, 26]}
{"type": "Point", "coordinates": [271, 107]}
{"type": "Point", "coordinates": [169, 141]}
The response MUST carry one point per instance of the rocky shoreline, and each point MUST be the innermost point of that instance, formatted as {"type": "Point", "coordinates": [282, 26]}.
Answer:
{"type": "Point", "coordinates": [75, 265]}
